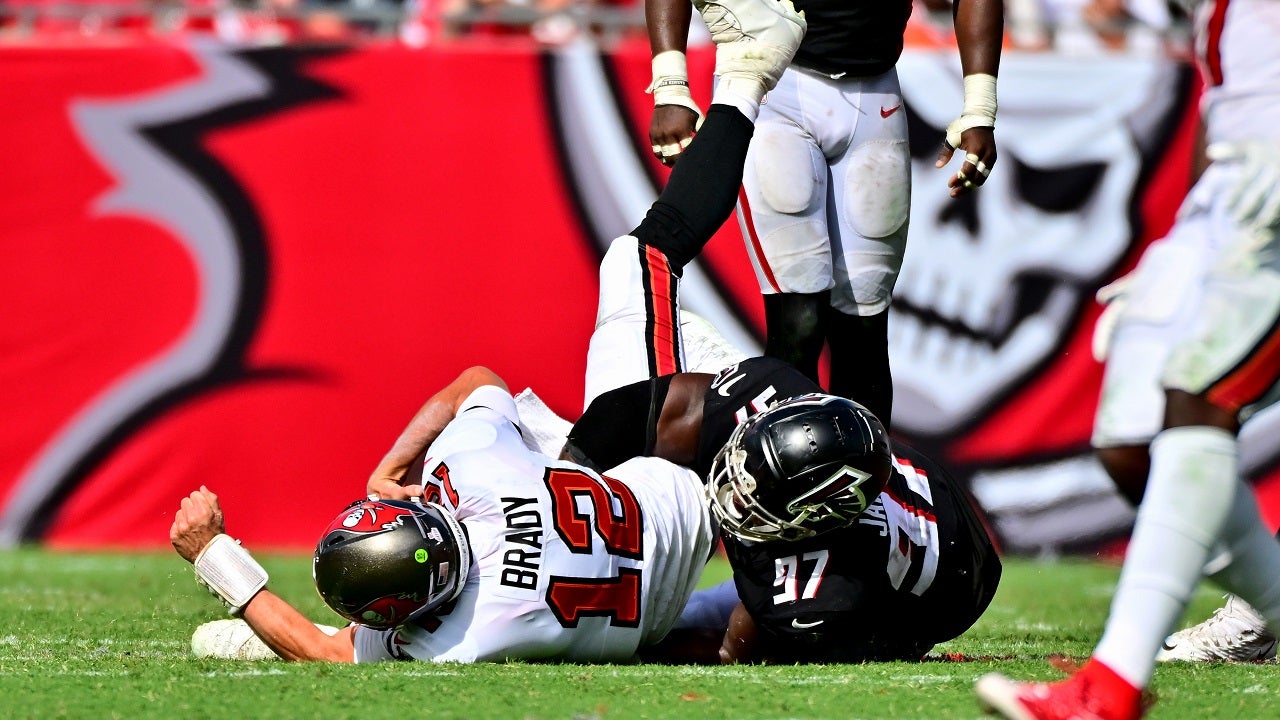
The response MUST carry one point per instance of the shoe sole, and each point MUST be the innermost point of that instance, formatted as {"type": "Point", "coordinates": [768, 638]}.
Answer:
{"type": "Point", "coordinates": [998, 694]}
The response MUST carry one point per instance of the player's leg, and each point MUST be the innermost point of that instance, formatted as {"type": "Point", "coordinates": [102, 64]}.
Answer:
{"type": "Point", "coordinates": [637, 322]}
{"type": "Point", "coordinates": [1227, 366]}
{"type": "Point", "coordinates": [860, 360]}
{"type": "Point", "coordinates": [783, 216]}
{"type": "Point", "coordinates": [795, 329]}
{"type": "Point", "coordinates": [1149, 311]}
{"type": "Point", "coordinates": [870, 205]}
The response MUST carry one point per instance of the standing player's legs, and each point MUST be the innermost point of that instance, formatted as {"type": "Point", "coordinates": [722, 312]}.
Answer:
{"type": "Point", "coordinates": [1226, 367]}
{"type": "Point", "coordinates": [871, 199]}
{"type": "Point", "coordinates": [824, 214]}
{"type": "Point", "coordinates": [783, 216]}
{"type": "Point", "coordinates": [1152, 313]}
{"type": "Point", "coordinates": [1155, 312]}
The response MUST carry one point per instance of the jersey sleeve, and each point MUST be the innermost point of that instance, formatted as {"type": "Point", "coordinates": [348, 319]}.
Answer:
{"type": "Point", "coordinates": [484, 417]}
{"type": "Point", "coordinates": [376, 645]}
{"type": "Point", "coordinates": [492, 397]}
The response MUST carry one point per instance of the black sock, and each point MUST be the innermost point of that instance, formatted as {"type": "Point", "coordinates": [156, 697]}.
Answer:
{"type": "Point", "coordinates": [796, 329]}
{"type": "Point", "coordinates": [860, 361]}
{"type": "Point", "coordinates": [702, 189]}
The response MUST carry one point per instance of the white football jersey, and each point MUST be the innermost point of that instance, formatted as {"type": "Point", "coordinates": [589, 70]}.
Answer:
{"type": "Point", "coordinates": [567, 564]}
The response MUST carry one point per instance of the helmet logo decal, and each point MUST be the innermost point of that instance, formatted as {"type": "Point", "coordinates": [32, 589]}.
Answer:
{"type": "Point", "coordinates": [420, 555]}
{"type": "Point", "coordinates": [840, 488]}
{"type": "Point", "coordinates": [354, 518]}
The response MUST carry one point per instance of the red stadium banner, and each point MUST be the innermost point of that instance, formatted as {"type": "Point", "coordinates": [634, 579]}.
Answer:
{"type": "Point", "coordinates": [248, 267]}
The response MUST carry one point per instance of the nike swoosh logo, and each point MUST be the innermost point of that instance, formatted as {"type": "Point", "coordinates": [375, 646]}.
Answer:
{"type": "Point", "coordinates": [724, 389]}
{"type": "Point", "coordinates": [805, 626]}
{"type": "Point", "coordinates": [886, 113]}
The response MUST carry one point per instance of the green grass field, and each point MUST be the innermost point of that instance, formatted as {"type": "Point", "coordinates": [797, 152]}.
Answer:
{"type": "Point", "coordinates": [106, 636]}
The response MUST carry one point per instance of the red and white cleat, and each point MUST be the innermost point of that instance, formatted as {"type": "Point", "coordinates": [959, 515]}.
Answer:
{"type": "Point", "coordinates": [1093, 693]}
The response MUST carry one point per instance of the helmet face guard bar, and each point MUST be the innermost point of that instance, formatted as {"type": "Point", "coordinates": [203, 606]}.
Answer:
{"type": "Point", "coordinates": [730, 494]}
{"type": "Point", "coordinates": [805, 466]}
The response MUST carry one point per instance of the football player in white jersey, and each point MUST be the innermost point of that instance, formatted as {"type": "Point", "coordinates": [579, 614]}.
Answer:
{"type": "Point", "coordinates": [827, 182]}
{"type": "Point", "coordinates": [508, 553]}
{"type": "Point", "coordinates": [473, 546]}
{"type": "Point", "coordinates": [1194, 353]}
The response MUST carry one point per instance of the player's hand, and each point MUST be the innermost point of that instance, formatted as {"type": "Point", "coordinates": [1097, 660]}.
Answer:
{"type": "Point", "coordinates": [671, 130]}
{"type": "Point", "coordinates": [740, 639]}
{"type": "Point", "coordinates": [198, 521]}
{"type": "Point", "coordinates": [385, 488]}
{"type": "Point", "coordinates": [978, 145]}
{"type": "Point", "coordinates": [1254, 199]}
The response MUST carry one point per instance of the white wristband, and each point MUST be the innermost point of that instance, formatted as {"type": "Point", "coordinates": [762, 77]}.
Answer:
{"type": "Point", "coordinates": [230, 572]}
{"type": "Point", "coordinates": [979, 106]}
{"type": "Point", "coordinates": [670, 84]}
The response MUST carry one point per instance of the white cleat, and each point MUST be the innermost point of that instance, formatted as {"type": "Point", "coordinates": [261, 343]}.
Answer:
{"type": "Point", "coordinates": [705, 349]}
{"type": "Point", "coordinates": [1235, 633]}
{"type": "Point", "coordinates": [234, 640]}
{"type": "Point", "coordinates": [755, 41]}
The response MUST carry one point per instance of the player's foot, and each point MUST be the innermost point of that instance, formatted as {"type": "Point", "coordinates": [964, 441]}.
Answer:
{"type": "Point", "coordinates": [705, 349]}
{"type": "Point", "coordinates": [755, 40]}
{"type": "Point", "coordinates": [1235, 632]}
{"type": "Point", "coordinates": [1093, 693]}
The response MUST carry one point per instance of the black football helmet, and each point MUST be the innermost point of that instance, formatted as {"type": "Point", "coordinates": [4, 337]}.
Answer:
{"type": "Point", "coordinates": [807, 465]}
{"type": "Point", "coordinates": [383, 563]}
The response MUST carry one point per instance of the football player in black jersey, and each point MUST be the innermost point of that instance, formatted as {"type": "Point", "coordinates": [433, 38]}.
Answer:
{"type": "Point", "coordinates": [912, 567]}
{"type": "Point", "coordinates": [827, 181]}
{"type": "Point", "coordinates": [915, 568]}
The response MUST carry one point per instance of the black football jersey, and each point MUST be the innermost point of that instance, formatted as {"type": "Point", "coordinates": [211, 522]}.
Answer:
{"type": "Point", "coordinates": [918, 568]}
{"type": "Point", "coordinates": [740, 391]}
{"type": "Point", "coordinates": [859, 38]}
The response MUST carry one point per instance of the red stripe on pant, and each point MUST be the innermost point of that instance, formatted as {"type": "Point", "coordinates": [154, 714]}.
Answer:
{"type": "Point", "coordinates": [1251, 379]}
{"type": "Point", "coordinates": [1213, 44]}
{"type": "Point", "coordinates": [661, 329]}
{"type": "Point", "coordinates": [754, 239]}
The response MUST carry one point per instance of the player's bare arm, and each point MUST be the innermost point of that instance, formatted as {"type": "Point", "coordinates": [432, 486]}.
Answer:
{"type": "Point", "coordinates": [398, 476]}
{"type": "Point", "coordinates": [675, 115]}
{"type": "Point", "coordinates": [199, 535]}
{"type": "Point", "coordinates": [979, 26]}
{"type": "Point", "coordinates": [680, 422]}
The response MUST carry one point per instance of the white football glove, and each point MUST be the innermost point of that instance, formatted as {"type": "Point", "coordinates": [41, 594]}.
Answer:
{"type": "Point", "coordinates": [1254, 200]}
{"type": "Point", "coordinates": [1116, 298]}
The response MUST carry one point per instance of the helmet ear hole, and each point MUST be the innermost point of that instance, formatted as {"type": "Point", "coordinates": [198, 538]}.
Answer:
{"type": "Point", "coordinates": [383, 562]}
{"type": "Point", "coordinates": [807, 465]}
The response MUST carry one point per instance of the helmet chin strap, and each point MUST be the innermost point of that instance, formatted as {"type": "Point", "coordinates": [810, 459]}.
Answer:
{"type": "Point", "coordinates": [463, 541]}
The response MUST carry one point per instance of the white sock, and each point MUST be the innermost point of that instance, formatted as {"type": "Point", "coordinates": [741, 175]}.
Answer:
{"type": "Point", "coordinates": [1253, 569]}
{"type": "Point", "coordinates": [1188, 497]}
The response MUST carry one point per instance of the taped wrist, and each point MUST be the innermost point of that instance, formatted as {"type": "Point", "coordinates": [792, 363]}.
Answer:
{"type": "Point", "coordinates": [670, 84]}
{"type": "Point", "coordinates": [979, 106]}
{"type": "Point", "coordinates": [230, 572]}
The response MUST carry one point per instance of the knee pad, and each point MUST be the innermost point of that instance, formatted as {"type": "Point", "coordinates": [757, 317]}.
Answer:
{"type": "Point", "coordinates": [877, 198]}
{"type": "Point", "coordinates": [788, 170]}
